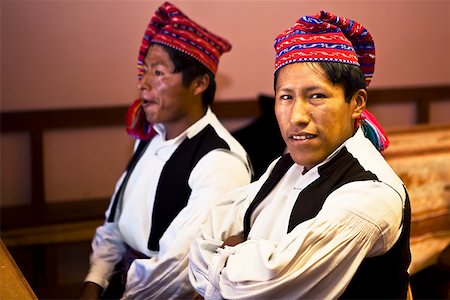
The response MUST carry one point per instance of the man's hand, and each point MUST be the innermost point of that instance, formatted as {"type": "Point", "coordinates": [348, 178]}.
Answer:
{"type": "Point", "coordinates": [91, 291]}
{"type": "Point", "coordinates": [233, 240]}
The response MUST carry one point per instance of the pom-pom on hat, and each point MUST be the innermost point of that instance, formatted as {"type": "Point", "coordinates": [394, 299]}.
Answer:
{"type": "Point", "coordinates": [170, 27]}
{"type": "Point", "coordinates": [328, 38]}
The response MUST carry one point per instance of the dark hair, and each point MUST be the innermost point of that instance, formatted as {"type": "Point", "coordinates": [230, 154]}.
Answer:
{"type": "Point", "coordinates": [191, 69]}
{"type": "Point", "coordinates": [349, 76]}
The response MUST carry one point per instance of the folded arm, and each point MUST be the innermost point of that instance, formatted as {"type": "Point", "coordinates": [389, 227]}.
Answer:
{"type": "Point", "coordinates": [315, 260]}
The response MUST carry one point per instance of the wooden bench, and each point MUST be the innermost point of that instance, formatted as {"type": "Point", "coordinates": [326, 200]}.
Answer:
{"type": "Point", "coordinates": [12, 284]}
{"type": "Point", "coordinates": [421, 157]}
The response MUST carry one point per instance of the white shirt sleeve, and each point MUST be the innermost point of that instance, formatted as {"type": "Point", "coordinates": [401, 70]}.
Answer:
{"type": "Point", "coordinates": [107, 246]}
{"type": "Point", "coordinates": [317, 259]}
{"type": "Point", "coordinates": [107, 251]}
{"type": "Point", "coordinates": [224, 220]}
{"type": "Point", "coordinates": [165, 275]}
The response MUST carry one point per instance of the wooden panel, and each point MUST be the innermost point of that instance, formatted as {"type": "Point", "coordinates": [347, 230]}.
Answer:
{"type": "Point", "coordinates": [53, 213]}
{"type": "Point", "coordinates": [66, 118]}
{"type": "Point", "coordinates": [51, 234]}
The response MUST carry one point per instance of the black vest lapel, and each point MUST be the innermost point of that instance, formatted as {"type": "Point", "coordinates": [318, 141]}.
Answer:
{"type": "Point", "coordinates": [173, 190]}
{"type": "Point", "coordinates": [132, 163]}
{"type": "Point", "coordinates": [341, 169]}
{"type": "Point", "coordinates": [278, 171]}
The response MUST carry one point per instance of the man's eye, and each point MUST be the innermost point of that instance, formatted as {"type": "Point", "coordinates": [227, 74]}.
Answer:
{"type": "Point", "coordinates": [158, 73]}
{"type": "Point", "coordinates": [317, 96]}
{"type": "Point", "coordinates": [285, 97]}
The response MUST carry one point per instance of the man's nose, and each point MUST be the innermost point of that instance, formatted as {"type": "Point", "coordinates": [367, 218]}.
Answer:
{"type": "Point", "coordinates": [299, 112]}
{"type": "Point", "coordinates": [144, 84]}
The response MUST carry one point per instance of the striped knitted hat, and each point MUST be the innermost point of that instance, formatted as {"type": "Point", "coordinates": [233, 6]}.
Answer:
{"type": "Point", "coordinates": [325, 37]}
{"type": "Point", "coordinates": [170, 27]}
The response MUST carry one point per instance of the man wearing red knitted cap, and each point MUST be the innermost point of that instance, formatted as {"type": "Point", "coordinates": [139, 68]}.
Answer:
{"type": "Point", "coordinates": [329, 219]}
{"type": "Point", "coordinates": [184, 160]}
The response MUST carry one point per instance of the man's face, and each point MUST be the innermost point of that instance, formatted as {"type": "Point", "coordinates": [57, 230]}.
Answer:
{"type": "Point", "coordinates": [312, 114]}
{"type": "Point", "coordinates": [164, 97]}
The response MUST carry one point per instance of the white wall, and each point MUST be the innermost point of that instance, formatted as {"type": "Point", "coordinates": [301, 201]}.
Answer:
{"type": "Point", "coordinates": [70, 53]}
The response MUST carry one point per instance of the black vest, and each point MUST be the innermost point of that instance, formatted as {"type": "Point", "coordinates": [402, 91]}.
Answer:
{"type": "Point", "coordinates": [381, 277]}
{"type": "Point", "coordinates": [173, 191]}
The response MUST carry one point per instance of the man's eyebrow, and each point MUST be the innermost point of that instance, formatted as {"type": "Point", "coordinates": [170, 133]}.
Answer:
{"type": "Point", "coordinates": [285, 88]}
{"type": "Point", "coordinates": [154, 64]}
{"type": "Point", "coordinates": [314, 88]}
{"type": "Point", "coordinates": [289, 87]}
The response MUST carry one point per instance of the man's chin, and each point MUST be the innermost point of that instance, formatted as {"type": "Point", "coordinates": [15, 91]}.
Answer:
{"type": "Point", "coordinates": [151, 117]}
{"type": "Point", "coordinates": [302, 159]}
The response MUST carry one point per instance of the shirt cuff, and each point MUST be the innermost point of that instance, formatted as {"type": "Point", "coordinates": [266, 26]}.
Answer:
{"type": "Point", "coordinates": [99, 274]}
{"type": "Point", "coordinates": [215, 269]}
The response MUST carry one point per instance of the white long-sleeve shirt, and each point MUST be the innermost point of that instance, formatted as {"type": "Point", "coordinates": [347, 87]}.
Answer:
{"type": "Point", "coordinates": [165, 274]}
{"type": "Point", "coordinates": [319, 257]}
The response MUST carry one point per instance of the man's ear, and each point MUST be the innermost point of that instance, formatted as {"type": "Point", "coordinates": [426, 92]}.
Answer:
{"type": "Point", "coordinates": [200, 84]}
{"type": "Point", "coordinates": [360, 100]}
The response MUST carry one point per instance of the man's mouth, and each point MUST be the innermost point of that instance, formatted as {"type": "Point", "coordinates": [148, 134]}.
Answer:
{"type": "Point", "coordinates": [146, 102]}
{"type": "Point", "coordinates": [301, 137]}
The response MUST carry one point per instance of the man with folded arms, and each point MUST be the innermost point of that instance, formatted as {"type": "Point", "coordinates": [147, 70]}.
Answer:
{"type": "Point", "coordinates": [330, 218]}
